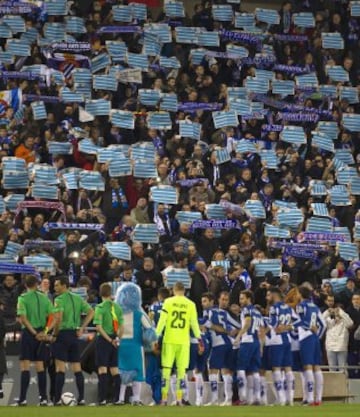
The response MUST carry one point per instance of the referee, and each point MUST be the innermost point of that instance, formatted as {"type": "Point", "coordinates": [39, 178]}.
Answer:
{"type": "Point", "coordinates": [33, 309]}
{"type": "Point", "coordinates": [69, 308]}
{"type": "Point", "coordinates": [109, 323]}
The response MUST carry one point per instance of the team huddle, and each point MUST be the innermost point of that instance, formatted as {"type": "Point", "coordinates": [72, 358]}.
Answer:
{"type": "Point", "coordinates": [239, 348]}
{"type": "Point", "coordinates": [243, 350]}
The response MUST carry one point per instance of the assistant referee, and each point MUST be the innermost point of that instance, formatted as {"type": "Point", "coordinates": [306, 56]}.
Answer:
{"type": "Point", "coordinates": [109, 323]}
{"type": "Point", "coordinates": [69, 308]}
{"type": "Point", "coordinates": [33, 309]}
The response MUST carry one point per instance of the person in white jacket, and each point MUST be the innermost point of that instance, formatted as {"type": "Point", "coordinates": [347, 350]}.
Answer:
{"type": "Point", "coordinates": [338, 324]}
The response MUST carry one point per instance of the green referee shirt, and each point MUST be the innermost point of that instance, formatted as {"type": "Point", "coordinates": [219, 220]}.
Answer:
{"type": "Point", "coordinates": [72, 306]}
{"type": "Point", "coordinates": [103, 316]}
{"type": "Point", "coordinates": [36, 307]}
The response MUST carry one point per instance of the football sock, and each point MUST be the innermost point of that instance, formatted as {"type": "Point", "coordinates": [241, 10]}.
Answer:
{"type": "Point", "coordinates": [136, 388]}
{"type": "Point", "coordinates": [279, 386]}
{"type": "Point", "coordinates": [213, 379]}
{"type": "Point", "coordinates": [250, 388]}
{"type": "Point", "coordinates": [59, 384]}
{"type": "Point", "coordinates": [79, 379]}
{"type": "Point", "coordinates": [24, 385]}
{"type": "Point", "coordinates": [42, 385]}
{"type": "Point", "coordinates": [228, 387]}
{"type": "Point", "coordinates": [319, 385]}
{"type": "Point", "coordinates": [263, 390]}
{"type": "Point", "coordinates": [102, 384]}
{"type": "Point", "coordinates": [122, 392]}
{"type": "Point", "coordinates": [199, 385]}
{"type": "Point", "coordinates": [241, 377]}
{"type": "Point", "coordinates": [309, 381]}
{"type": "Point", "coordinates": [257, 389]}
{"type": "Point", "coordinates": [290, 387]}
{"type": "Point", "coordinates": [117, 384]}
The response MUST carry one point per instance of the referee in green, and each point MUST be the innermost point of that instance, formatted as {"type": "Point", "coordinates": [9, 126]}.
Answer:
{"type": "Point", "coordinates": [69, 308]}
{"type": "Point", "coordinates": [109, 323]}
{"type": "Point", "coordinates": [34, 310]}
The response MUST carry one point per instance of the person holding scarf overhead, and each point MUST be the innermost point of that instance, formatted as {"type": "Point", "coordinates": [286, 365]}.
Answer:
{"type": "Point", "coordinates": [114, 204]}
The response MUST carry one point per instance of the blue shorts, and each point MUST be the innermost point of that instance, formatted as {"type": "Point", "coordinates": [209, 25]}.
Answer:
{"type": "Point", "coordinates": [66, 347]}
{"type": "Point", "coordinates": [221, 357]}
{"type": "Point", "coordinates": [280, 355]}
{"type": "Point", "coordinates": [31, 349]}
{"type": "Point", "coordinates": [234, 354]}
{"type": "Point", "coordinates": [249, 358]}
{"type": "Point", "coordinates": [265, 359]}
{"type": "Point", "coordinates": [198, 361]}
{"type": "Point", "coordinates": [105, 353]}
{"type": "Point", "coordinates": [296, 366]}
{"type": "Point", "coordinates": [153, 367]}
{"type": "Point", "coordinates": [193, 356]}
{"type": "Point", "coordinates": [310, 351]}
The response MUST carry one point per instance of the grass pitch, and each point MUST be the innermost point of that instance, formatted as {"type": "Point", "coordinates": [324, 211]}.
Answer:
{"type": "Point", "coordinates": [326, 410]}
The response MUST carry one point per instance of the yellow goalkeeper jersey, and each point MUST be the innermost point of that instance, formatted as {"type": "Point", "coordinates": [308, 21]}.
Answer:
{"type": "Point", "coordinates": [178, 316]}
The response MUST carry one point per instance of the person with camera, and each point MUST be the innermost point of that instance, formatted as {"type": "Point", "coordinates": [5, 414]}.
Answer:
{"type": "Point", "coordinates": [338, 324]}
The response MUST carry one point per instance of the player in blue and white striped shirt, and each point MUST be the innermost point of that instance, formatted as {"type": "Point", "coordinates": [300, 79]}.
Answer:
{"type": "Point", "coordinates": [311, 327]}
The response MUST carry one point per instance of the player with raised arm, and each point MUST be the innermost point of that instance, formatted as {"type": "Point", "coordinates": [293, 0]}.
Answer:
{"type": "Point", "coordinates": [177, 317]}
{"type": "Point", "coordinates": [311, 327]}
{"type": "Point", "coordinates": [249, 356]}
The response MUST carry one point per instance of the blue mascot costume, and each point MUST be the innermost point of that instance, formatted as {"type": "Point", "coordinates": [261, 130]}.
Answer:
{"type": "Point", "coordinates": [138, 331]}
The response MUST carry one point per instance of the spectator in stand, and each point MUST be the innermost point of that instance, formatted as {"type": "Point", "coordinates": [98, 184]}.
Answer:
{"type": "Point", "coordinates": [207, 245]}
{"type": "Point", "coordinates": [137, 255]}
{"type": "Point", "coordinates": [26, 150]}
{"type": "Point", "coordinates": [233, 284]}
{"type": "Point", "coordinates": [149, 280]}
{"type": "Point", "coordinates": [9, 292]}
{"type": "Point", "coordinates": [199, 285]}
{"type": "Point", "coordinates": [234, 256]}
{"type": "Point", "coordinates": [114, 204]}
{"type": "Point", "coordinates": [140, 214]}
{"type": "Point", "coordinates": [344, 297]}
{"type": "Point", "coordinates": [128, 275]}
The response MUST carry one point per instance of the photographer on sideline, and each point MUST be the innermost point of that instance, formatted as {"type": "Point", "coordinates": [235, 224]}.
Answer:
{"type": "Point", "coordinates": [338, 324]}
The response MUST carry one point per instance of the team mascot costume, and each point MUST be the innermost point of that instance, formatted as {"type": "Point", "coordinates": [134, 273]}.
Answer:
{"type": "Point", "coordinates": [138, 331]}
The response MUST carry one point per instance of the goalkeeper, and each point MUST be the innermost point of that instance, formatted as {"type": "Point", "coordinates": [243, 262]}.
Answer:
{"type": "Point", "coordinates": [178, 316]}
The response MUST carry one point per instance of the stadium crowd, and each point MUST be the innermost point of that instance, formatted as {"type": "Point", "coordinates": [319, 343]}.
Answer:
{"type": "Point", "coordinates": [268, 200]}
